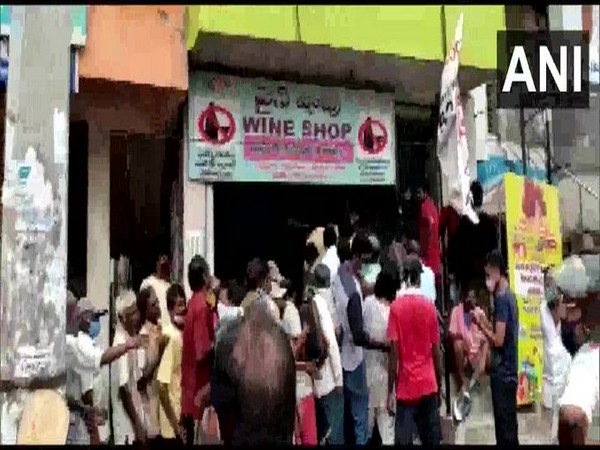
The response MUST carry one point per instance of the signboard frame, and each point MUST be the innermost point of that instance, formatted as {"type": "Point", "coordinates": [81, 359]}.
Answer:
{"type": "Point", "coordinates": [260, 130]}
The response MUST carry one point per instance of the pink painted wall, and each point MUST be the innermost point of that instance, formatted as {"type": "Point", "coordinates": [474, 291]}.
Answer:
{"type": "Point", "coordinates": [137, 44]}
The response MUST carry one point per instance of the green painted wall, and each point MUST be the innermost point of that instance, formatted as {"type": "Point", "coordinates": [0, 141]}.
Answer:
{"type": "Point", "coordinates": [481, 24]}
{"type": "Point", "coordinates": [407, 31]}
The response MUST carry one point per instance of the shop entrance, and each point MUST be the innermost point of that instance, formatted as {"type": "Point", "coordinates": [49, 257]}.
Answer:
{"type": "Point", "coordinates": [143, 172]}
{"type": "Point", "coordinates": [273, 220]}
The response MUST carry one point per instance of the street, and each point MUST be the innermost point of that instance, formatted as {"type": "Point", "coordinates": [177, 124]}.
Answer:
{"type": "Point", "coordinates": [478, 429]}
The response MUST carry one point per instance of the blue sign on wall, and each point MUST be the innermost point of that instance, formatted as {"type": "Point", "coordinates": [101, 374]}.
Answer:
{"type": "Point", "coordinates": [78, 23]}
{"type": "Point", "coordinates": [491, 171]}
{"type": "Point", "coordinates": [72, 79]}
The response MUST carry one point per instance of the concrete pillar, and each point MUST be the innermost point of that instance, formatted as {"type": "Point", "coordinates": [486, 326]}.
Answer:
{"type": "Point", "coordinates": [34, 210]}
{"type": "Point", "coordinates": [98, 245]}
{"type": "Point", "coordinates": [194, 215]}
{"type": "Point", "coordinates": [98, 236]}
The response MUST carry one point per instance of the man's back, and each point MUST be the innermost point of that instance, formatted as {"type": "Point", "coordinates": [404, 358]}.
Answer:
{"type": "Point", "coordinates": [345, 286]}
{"type": "Point", "coordinates": [428, 283]}
{"type": "Point", "coordinates": [331, 372]}
{"type": "Point", "coordinates": [429, 235]}
{"type": "Point", "coordinates": [124, 373]}
{"type": "Point", "coordinates": [376, 317]}
{"type": "Point", "coordinates": [413, 325]}
{"type": "Point", "coordinates": [504, 359]}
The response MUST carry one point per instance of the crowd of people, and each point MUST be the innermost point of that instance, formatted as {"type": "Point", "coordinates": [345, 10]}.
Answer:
{"type": "Point", "coordinates": [354, 349]}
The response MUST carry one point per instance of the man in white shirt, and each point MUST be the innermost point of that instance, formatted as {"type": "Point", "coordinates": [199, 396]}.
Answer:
{"type": "Point", "coordinates": [83, 361]}
{"type": "Point", "coordinates": [331, 258]}
{"type": "Point", "coordinates": [328, 384]}
{"type": "Point", "coordinates": [580, 400]}
{"type": "Point", "coordinates": [376, 312]}
{"type": "Point", "coordinates": [160, 283]}
{"type": "Point", "coordinates": [427, 287]}
{"type": "Point", "coordinates": [556, 357]}
{"type": "Point", "coordinates": [128, 412]}
{"type": "Point", "coordinates": [332, 261]}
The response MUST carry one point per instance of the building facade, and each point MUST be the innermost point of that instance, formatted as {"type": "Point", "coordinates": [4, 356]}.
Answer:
{"type": "Point", "coordinates": [576, 137]}
{"type": "Point", "coordinates": [355, 52]}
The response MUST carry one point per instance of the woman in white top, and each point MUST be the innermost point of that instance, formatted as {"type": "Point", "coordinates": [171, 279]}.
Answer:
{"type": "Point", "coordinates": [376, 312]}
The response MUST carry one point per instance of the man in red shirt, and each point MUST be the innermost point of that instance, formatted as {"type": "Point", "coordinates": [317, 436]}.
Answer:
{"type": "Point", "coordinates": [415, 362]}
{"type": "Point", "coordinates": [198, 339]}
{"type": "Point", "coordinates": [429, 233]}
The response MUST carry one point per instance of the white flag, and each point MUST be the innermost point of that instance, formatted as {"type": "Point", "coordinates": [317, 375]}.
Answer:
{"type": "Point", "coordinates": [452, 148]}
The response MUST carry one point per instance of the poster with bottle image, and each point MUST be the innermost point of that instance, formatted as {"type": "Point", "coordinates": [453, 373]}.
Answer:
{"type": "Point", "coordinates": [534, 242]}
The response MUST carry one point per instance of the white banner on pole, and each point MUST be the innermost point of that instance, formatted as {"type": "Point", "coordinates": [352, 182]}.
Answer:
{"type": "Point", "coordinates": [452, 148]}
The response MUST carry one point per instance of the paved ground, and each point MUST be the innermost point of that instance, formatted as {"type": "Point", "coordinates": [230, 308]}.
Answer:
{"type": "Point", "coordinates": [478, 429]}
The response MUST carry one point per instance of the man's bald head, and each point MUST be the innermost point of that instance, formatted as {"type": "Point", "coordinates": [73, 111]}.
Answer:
{"type": "Point", "coordinates": [265, 370]}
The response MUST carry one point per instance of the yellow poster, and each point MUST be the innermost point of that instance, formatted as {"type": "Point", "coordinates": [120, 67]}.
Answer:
{"type": "Point", "coordinates": [534, 242]}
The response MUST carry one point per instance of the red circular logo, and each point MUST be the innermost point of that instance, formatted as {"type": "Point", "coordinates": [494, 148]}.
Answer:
{"type": "Point", "coordinates": [372, 136]}
{"type": "Point", "coordinates": [216, 125]}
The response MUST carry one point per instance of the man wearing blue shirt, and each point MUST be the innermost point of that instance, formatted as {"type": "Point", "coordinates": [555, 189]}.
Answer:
{"type": "Point", "coordinates": [503, 337]}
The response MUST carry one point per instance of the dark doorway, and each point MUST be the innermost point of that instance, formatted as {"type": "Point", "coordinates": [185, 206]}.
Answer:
{"type": "Point", "coordinates": [77, 208]}
{"type": "Point", "coordinates": [272, 221]}
{"type": "Point", "coordinates": [143, 170]}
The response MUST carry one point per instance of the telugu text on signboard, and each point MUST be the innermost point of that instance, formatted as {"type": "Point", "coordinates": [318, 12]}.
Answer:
{"type": "Point", "coordinates": [260, 130]}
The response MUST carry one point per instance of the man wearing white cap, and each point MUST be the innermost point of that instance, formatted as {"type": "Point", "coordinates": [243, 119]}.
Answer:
{"type": "Point", "coordinates": [580, 400]}
{"type": "Point", "coordinates": [83, 360]}
{"type": "Point", "coordinates": [128, 412]}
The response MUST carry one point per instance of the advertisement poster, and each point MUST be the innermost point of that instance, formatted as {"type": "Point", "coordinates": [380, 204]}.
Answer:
{"type": "Point", "coordinates": [534, 242]}
{"type": "Point", "coordinates": [259, 130]}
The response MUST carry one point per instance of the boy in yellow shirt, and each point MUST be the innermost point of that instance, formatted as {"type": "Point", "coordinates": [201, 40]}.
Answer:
{"type": "Point", "coordinates": [169, 370]}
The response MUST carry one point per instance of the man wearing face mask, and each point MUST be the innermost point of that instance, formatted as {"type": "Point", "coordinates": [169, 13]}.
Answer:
{"type": "Point", "coordinates": [348, 299]}
{"type": "Point", "coordinates": [258, 286]}
{"type": "Point", "coordinates": [83, 361]}
{"type": "Point", "coordinates": [470, 347]}
{"type": "Point", "coordinates": [580, 401]}
{"type": "Point", "coordinates": [503, 338]}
